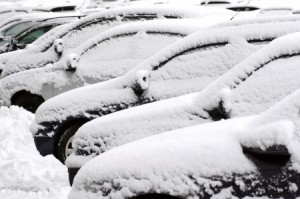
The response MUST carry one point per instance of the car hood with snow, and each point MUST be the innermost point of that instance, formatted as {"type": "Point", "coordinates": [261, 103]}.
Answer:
{"type": "Point", "coordinates": [186, 66]}
{"type": "Point", "coordinates": [225, 159]}
{"type": "Point", "coordinates": [51, 47]}
{"type": "Point", "coordinates": [249, 88]}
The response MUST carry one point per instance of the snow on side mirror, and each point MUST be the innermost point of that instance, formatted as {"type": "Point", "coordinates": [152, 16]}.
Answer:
{"type": "Point", "coordinates": [72, 62]}
{"type": "Point", "coordinates": [267, 144]}
{"type": "Point", "coordinates": [58, 46]}
{"type": "Point", "coordinates": [141, 82]}
{"type": "Point", "coordinates": [220, 108]}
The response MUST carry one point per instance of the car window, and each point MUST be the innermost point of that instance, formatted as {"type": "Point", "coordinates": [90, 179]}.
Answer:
{"type": "Point", "coordinates": [260, 41]}
{"type": "Point", "coordinates": [86, 31]}
{"type": "Point", "coordinates": [198, 65]}
{"type": "Point", "coordinates": [17, 28]}
{"type": "Point", "coordinates": [266, 86]}
{"type": "Point", "coordinates": [243, 8]}
{"type": "Point", "coordinates": [77, 36]}
{"type": "Point", "coordinates": [34, 34]}
{"type": "Point", "coordinates": [21, 11]}
{"type": "Point", "coordinates": [115, 56]}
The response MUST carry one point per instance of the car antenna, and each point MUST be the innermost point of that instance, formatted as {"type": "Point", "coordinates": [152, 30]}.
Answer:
{"type": "Point", "coordinates": [249, 1]}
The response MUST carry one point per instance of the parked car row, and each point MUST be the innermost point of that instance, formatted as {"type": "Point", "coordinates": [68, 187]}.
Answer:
{"type": "Point", "coordinates": [131, 99]}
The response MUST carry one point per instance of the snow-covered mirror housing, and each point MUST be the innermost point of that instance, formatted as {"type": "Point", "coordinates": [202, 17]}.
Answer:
{"type": "Point", "coordinates": [141, 81]}
{"type": "Point", "coordinates": [221, 106]}
{"type": "Point", "coordinates": [59, 46]}
{"type": "Point", "coordinates": [72, 62]}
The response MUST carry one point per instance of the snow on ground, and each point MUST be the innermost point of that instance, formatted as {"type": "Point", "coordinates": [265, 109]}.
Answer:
{"type": "Point", "coordinates": [24, 173]}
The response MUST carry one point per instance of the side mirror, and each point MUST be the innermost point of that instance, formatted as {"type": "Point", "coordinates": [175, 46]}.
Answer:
{"type": "Point", "coordinates": [58, 46]}
{"type": "Point", "coordinates": [141, 82]}
{"type": "Point", "coordinates": [269, 161]}
{"type": "Point", "coordinates": [220, 108]}
{"type": "Point", "coordinates": [72, 62]}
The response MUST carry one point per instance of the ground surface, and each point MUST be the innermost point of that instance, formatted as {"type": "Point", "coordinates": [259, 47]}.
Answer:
{"type": "Point", "coordinates": [24, 174]}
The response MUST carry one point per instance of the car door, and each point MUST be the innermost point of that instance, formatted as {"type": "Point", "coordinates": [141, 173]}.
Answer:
{"type": "Point", "coordinates": [31, 36]}
{"type": "Point", "coordinates": [194, 68]}
{"type": "Point", "coordinates": [267, 84]}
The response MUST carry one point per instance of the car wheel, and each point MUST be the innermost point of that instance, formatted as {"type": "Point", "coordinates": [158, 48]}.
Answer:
{"type": "Point", "coordinates": [28, 101]}
{"type": "Point", "coordinates": [64, 146]}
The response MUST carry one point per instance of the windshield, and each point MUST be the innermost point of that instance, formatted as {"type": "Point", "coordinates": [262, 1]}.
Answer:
{"type": "Point", "coordinates": [17, 28]}
{"type": "Point", "coordinates": [33, 35]}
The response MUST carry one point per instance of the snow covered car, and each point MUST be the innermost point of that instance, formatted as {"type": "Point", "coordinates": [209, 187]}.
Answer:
{"type": "Point", "coordinates": [105, 56]}
{"type": "Point", "coordinates": [252, 86]}
{"type": "Point", "coordinates": [186, 66]}
{"type": "Point", "coordinates": [51, 48]}
{"type": "Point", "coordinates": [254, 156]}
{"type": "Point", "coordinates": [26, 32]}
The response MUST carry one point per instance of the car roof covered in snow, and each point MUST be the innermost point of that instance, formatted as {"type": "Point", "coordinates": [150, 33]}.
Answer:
{"type": "Point", "coordinates": [34, 17]}
{"type": "Point", "coordinates": [162, 12]}
{"type": "Point", "coordinates": [285, 46]}
{"type": "Point", "coordinates": [179, 26]}
{"type": "Point", "coordinates": [62, 106]}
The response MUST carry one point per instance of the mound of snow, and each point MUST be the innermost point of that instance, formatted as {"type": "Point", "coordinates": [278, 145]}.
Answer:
{"type": "Point", "coordinates": [24, 173]}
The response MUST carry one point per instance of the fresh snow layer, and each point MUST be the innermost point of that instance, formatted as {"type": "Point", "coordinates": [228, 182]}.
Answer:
{"type": "Point", "coordinates": [105, 56]}
{"type": "Point", "coordinates": [80, 31]}
{"type": "Point", "coordinates": [242, 95]}
{"type": "Point", "coordinates": [24, 173]}
{"type": "Point", "coordinates": [192, 71]}
{"type": "Point", "coordinates": [179, 162]}
{"type": "Point", "coordinates": [166, 162]}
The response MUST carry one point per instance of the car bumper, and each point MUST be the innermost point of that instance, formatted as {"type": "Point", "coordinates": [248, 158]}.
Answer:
{"type": "Point", "coordinates": [44, 145]}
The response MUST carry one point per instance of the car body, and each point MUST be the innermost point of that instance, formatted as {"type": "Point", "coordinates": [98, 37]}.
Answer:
{"type": "Point", "coordinates": [254, 156]}
{"type": "Point", "coordinates": [103, 57]}
{"type": "Point", "coordinates": [42, 53]}
{"type": "Point", "coordinates": [34, 28]}
{"type": "Point", "coordinates": [186, 66]}
{"type": "Point", "coordinates": [251, 87]}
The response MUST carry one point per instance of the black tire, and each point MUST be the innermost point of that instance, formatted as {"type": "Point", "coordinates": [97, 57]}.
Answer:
{"type": "Point", "coordinates": [28, 101]}
{"type": "Point", "coordinates": [66, 139]}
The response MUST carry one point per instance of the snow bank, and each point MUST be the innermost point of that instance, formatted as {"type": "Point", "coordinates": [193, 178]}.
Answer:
{"type": "Point", "coordinates": [23, 172]}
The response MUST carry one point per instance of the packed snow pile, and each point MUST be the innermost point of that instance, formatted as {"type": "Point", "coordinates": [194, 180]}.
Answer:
{"type": "Point", "coordinates": [23, 172]}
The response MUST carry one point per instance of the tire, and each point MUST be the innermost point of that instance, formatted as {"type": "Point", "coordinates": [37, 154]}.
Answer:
{"type": "Point", "coordinates": [28, 101]}
{"type": "Point", "coordinates": [64, 145]}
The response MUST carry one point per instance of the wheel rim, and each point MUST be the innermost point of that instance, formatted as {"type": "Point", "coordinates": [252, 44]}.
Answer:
{"type": "Point", "coordinates": [69, 147]}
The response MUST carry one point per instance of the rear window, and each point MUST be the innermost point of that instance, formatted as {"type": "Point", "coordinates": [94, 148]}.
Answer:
{"type": "Point", "coordinates": [63, 9]}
